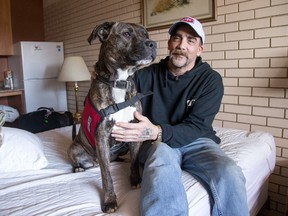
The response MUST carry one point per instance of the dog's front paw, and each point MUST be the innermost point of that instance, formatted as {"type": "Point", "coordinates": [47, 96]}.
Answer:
{"type": "Point", "coordinates": [78, 169]}
{"type": "Point", "coordinates": [110, 207]}
{"type": "Point", "coordinates": [136, 186]}
{"type": "Point", "coordinates": [135, 182]}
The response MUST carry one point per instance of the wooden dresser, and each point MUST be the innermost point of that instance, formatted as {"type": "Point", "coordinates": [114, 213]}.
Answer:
{"type": "Point", "coordinates": [12, 98]}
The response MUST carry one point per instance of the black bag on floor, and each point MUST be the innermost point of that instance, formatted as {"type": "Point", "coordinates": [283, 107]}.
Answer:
{"type": "Point", "coordinates": [44, 119]}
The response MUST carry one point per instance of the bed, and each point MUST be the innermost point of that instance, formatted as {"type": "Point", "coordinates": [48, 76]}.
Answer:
{"type": "Point", "coordinates": [45, 185]}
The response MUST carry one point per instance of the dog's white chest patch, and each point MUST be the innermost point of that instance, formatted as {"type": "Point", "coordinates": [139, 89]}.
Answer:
{"type": "Point", "coordinates": [127, 114]}
{"type": "Point", "coordinates": [124, 115]}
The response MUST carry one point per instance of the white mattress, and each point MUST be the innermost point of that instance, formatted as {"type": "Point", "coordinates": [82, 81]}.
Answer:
{"type": "Point", "coordinates": [55, 190]}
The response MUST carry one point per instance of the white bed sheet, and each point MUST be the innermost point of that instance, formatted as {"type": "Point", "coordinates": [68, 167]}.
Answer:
{"type": "Point", "coordinates": [55, 190]}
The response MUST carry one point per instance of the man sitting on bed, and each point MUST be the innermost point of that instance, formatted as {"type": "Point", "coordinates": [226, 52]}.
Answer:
{"type": "Point", "coordinates": [177, 127]}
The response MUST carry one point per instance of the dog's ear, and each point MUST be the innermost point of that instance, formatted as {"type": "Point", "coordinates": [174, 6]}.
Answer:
{"type": "Point", "coordinates": [102, 31]}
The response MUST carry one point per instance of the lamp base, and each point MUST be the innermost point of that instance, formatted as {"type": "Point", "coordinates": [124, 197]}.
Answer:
{"type": "Point", "coordinates": [77, 117]}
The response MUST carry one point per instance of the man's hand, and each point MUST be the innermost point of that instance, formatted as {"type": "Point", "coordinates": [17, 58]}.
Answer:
{"type": "Point", "coordinates": [135, 132]}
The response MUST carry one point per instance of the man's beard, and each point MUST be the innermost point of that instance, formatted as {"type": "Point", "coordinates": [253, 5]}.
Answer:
{"type": "Point", "coordinates": [179, 54]}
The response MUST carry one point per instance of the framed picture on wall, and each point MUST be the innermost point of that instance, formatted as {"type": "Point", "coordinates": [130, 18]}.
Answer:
{"type": "Point", "coordinates": [160, 14]}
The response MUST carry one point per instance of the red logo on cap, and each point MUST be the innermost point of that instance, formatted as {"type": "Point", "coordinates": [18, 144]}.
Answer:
{"type": "Point", "coordinates": [188, 19]}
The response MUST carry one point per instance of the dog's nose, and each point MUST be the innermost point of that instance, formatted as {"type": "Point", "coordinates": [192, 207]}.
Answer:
{"type": "Point", "coordinates": [151, 44]}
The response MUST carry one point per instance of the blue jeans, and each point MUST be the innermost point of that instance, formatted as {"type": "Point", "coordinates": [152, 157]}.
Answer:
{"type": "Point", "coordinates": [162, 192]}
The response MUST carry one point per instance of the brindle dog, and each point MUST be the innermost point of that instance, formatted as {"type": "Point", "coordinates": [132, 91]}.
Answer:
{"type": "Point", "coordinates": [125, 47]}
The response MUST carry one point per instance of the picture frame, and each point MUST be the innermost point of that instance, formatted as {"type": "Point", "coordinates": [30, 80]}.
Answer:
{"type": "Point", "coordinates": [160, 14]}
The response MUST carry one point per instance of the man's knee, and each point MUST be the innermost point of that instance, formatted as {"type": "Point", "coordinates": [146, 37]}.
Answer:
{"type": "Point", "coordinates": [159, 155]}
{"type": "Point", "coordinates": [229, 171]}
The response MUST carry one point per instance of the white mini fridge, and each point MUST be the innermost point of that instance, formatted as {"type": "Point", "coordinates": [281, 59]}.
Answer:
{"type": "Point", "coordinates": [35, 67]}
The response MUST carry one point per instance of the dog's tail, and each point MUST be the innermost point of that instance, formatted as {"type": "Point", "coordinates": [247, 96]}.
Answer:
{"type": "Point", "coordinates": [73, 131]}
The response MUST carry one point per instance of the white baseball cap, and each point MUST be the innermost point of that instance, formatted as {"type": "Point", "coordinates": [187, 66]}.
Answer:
{"type": "Point", "coordinates": [194, 23]}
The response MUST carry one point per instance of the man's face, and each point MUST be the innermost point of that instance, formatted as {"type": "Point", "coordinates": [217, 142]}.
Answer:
{"type": "Point", "coordinates": [184, 46]}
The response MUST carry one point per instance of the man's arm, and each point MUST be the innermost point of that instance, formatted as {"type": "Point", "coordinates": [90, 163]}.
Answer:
{"type": "Point", "coordinates": [136, 132]}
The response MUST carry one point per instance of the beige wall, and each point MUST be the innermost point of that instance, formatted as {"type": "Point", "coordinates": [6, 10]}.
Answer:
{"type": "Point", "coordinates": [247, 45]}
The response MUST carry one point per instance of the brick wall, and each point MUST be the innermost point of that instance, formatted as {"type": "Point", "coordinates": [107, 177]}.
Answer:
{"type": "Point", "coordinates": [247, 45]}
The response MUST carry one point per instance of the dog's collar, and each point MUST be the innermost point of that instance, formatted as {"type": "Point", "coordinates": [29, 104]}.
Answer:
{"type": "Point", "coordinates": [121, 84]}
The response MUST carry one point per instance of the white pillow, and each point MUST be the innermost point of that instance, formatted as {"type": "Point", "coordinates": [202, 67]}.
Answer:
{"type": "Point", "coordinates": [11, 114]}
{"type": "Point", "coordinates": [21, 150]}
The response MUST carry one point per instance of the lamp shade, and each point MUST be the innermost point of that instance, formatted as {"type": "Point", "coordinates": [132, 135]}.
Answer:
{"type": "Point", "coordinates": [74, 69]}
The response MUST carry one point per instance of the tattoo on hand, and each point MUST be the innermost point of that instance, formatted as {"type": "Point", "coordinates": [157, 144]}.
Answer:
{"type": "Point", "coordinates": [146, 133]}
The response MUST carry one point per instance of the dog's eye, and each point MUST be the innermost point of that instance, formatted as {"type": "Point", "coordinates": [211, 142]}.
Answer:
{"type": "Point", "coordinates": [146, 34]}
{"type": "Point", "coordinates": [127, 34]}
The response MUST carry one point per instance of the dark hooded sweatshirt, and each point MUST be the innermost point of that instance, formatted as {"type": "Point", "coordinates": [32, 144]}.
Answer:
{"type": "Point", "coordinates": [184, 106]}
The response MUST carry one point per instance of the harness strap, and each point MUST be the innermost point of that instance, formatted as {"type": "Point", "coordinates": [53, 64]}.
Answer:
{"type": "Point", "coordinates": [113, 108]}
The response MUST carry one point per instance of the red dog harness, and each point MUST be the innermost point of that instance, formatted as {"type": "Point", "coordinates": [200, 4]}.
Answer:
{"type": "Point", "coordinates": [90, 121]}
{"type": "Point", "coordinates": [91, 117]}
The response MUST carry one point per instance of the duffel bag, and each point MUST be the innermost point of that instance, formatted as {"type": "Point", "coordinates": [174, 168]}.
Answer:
{"type": "Point", "coordinates": [44, 119]}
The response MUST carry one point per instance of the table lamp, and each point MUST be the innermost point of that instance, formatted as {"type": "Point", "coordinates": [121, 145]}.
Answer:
{"type": "Point", "coordinates": [74, 70]}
